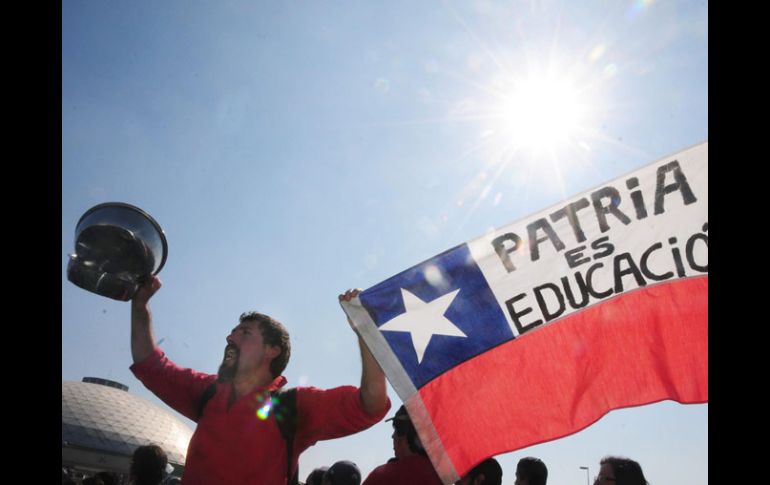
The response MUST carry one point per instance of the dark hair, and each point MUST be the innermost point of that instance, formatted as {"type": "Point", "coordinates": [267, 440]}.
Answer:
{"type": "Point", "coordinates": [343, 473]}
{"type": "Point", "coordinates": [275, 334]}
{"type": "Point", "coordinates": [148, 465]}
{"type": "Point", "coordinates": [533, 470]}
{"type": "Point", "coordinates": [627, 471]}
{"type": "Point", "coordinates": [403, 426]}
{"type": "Point", "coordinates": [316, 477]}
{"type": "Point", "coordinates": [491, 469]}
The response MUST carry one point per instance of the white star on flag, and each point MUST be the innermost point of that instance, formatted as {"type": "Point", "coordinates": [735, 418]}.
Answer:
{"type": "Point", "coordinates": [424, 320]}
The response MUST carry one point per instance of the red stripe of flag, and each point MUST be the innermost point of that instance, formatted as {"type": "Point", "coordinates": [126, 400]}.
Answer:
{"type": "Point", "coordinates": [637, 348]}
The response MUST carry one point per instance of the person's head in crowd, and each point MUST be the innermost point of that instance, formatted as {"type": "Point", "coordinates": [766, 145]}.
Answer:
{"type": "Point", "coordinates": [342, 473]}
{"type": "Point", "coordinates": [258, 343]}
{"type": "Point", "coordinates": [616, 470]}
{"type": "Point", "coordinates": [406, 442]}
{"type": "Point", "coordinates": [531, 471]}
{"type": "Point", "coordinates": [148, 465]}
{"type": "Point", "coordinates": [488, 472]}
{"type": "Point", "coordinates": [108, 478]}
{"type": "Point", "coordinates": [316, 476]}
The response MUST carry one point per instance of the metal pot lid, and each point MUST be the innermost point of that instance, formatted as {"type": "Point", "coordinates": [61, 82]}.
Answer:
{"type": "Point", "coordinates": [136, 222]}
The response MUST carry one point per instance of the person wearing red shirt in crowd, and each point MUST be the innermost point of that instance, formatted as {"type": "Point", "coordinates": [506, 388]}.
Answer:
{"type": "Point", "coordinates": [239, 438]}
{"type": "Point", "coordinates": [411, 464]}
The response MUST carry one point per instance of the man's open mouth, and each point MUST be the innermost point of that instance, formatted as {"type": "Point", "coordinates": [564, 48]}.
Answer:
{"type": "Point", "coordinates": [231, 354]}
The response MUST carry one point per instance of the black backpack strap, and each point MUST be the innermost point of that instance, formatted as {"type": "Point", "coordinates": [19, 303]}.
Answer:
{"type": "Point", "coordinates": [285, 412]}
{"type": "Point", "coordinates": [207, 395]}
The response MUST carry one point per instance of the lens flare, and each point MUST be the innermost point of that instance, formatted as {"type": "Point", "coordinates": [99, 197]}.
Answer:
{"type": "Point", "coordinates": [264, 412]}
{"type": "Point", "coordinates": [435, 277]}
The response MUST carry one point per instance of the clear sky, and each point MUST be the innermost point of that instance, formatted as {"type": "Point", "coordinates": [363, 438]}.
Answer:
{"type": "Point", "coordinates": [291, 150]}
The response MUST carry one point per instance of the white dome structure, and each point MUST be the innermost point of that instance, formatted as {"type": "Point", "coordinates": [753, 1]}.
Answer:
{"type": "Point", "coordinates": [102, 425]}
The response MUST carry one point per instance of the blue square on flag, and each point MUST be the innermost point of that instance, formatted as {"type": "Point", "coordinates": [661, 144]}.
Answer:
{"type": "Point", "coordinates": [437, 314]}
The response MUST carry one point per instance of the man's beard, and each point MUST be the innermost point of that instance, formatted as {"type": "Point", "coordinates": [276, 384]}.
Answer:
{"type": "Point", "coordinates": [227, 371]}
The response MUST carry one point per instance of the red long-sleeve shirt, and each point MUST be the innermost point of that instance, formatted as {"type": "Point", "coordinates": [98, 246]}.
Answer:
{"type": "Point", "coordinates": [235, 445]}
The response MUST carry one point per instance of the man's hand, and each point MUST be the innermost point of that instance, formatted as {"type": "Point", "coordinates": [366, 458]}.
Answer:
{"type": "Point", "coordinates": [146, 290]}
{"type": "Point", "coordinates": [347, 296]}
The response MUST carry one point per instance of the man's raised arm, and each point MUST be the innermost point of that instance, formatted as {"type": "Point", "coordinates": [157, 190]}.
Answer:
{"type": "Point", "coordinates": [374, 394]}
{"type": "Point", "coordinates": [142, 335]}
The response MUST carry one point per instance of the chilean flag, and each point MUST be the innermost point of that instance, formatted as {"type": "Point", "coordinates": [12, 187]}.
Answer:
{"type": "Point", "coordinates": [538, 329]}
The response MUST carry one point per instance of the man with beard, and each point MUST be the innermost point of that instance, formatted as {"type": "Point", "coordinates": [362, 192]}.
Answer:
{"type": "Point", "coordinates": [238, 439]}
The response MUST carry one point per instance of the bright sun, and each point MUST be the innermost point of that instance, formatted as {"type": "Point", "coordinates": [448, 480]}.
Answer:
{"type": "Point", "coordinates": [541, 114]}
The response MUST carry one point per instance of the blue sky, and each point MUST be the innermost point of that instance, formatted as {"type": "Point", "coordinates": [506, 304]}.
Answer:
{"type": "Point", "coordinates": [292, 150]}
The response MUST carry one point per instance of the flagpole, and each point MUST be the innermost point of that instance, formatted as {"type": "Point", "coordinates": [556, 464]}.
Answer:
{"type": "Point", "coordinates": [587, 474]}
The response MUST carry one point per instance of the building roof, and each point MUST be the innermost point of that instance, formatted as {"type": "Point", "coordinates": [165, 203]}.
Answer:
{"type": "Point", "coordinates": [102, 416]}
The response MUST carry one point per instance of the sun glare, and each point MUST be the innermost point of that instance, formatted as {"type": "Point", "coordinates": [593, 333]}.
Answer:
{"type": "Point", "coordinates": [536, 123]}
{"type": "Point", "coordinates": [542, 113]}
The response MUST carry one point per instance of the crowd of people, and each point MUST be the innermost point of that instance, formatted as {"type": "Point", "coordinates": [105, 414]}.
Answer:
{"type": "Point", "coordinates": [150, 466]}
{"type": "Point", "coordinates": [231, 446]}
